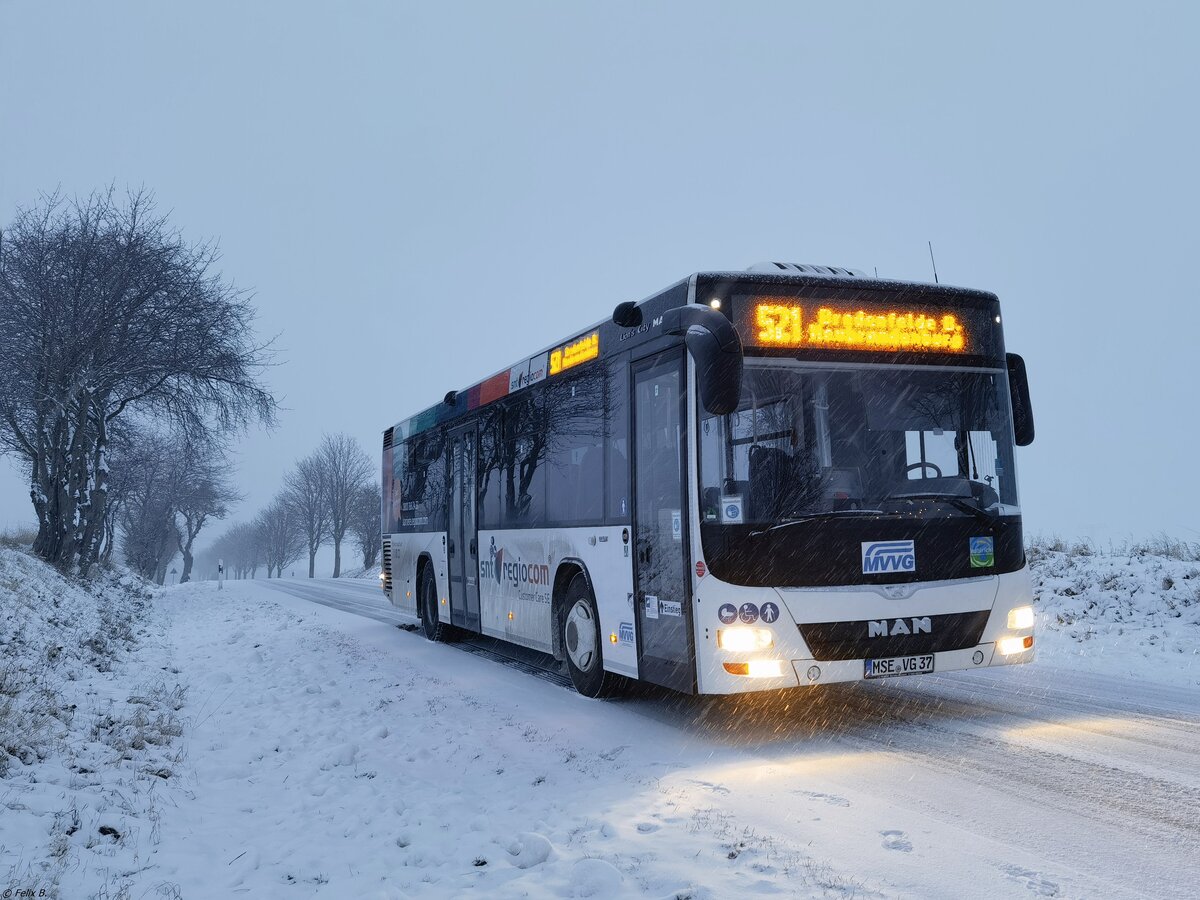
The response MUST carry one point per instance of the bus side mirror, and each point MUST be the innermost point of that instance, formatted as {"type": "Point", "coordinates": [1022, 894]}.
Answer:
{"type": "Point", "coordinates": [1018, 387]}
{"type": "Point", "coordinates": [627, 315]}
{"type": "Point", "coordinates": [714, 344]}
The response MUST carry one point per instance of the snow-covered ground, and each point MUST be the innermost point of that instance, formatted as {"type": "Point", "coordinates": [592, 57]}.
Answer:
{"type": "Point", "coordinates": [1124, 612]}
{"type": "Point", "coordinates": [248, 741]}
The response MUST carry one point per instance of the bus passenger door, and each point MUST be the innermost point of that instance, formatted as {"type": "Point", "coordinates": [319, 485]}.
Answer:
{"type": "Point", "coordinates": [661, 587]}
{"type": "Point", "coordinates": [463, 550]}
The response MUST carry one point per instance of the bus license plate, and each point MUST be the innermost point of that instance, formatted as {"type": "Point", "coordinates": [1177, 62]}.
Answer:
{"type": "Point", "coordinates": [899, 665]}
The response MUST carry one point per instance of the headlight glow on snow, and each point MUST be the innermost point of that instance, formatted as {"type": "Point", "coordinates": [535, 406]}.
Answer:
{"type": "Point", "coordinates": [1020, 618]}
{"type": "Point", "coordinates": [744, 638]}
{"type": "Point", "coordinates": [1009, 646]}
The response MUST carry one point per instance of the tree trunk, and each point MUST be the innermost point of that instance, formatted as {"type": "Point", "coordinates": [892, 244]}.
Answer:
{"type": "Point", "coordinates": [337, 557]}
{"type": "Point", "coordinates": [187, 564]}
{"type": "Point", "coordinates": [312, 562]}
{"type": "Point", "coordinates": [97, 505]}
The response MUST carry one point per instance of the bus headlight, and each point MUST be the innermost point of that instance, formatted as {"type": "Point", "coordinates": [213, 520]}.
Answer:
{"type": "Point", "coordinates": [1021, 618]}
{"type": "Point", "coordinates": [1009, 646]}
{"type": "Point", "coordinates": [744, 639]}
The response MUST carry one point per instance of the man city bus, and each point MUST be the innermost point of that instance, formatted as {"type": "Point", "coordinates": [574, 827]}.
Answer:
{"type": "Point", "coordinates": [788, 476]}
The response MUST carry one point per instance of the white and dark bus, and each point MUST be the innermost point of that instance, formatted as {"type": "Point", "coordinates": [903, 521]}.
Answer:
{"type": "Point", "coordinates": [788, 476]}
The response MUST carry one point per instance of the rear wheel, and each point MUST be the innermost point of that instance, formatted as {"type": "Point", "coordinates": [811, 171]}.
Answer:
{"type": "Point", "coordinates": [435, 630]}
{"type": "Point", "coordinates": [582, 642]}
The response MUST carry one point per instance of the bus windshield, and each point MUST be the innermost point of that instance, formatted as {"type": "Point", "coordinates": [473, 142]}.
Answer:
{"type": "Point", "coordinates": [813, 442]}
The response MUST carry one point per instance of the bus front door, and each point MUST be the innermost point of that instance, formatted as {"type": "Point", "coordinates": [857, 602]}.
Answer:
{"type": "Point", "coordinates": [662, 590]}
{"type": "Point", "coordinates": [463, 549]}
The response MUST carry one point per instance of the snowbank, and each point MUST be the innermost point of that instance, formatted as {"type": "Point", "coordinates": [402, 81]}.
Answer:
{"type": "Point", "coordinates": [88, 736]}
{"type": "Point", "coordinates": [1124, 612]}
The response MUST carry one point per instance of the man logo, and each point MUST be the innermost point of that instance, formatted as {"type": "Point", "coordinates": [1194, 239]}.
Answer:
{"type": "Point", "coordinates": [896, 627]}
{"type": "Point", "coordinates": [884, 557]}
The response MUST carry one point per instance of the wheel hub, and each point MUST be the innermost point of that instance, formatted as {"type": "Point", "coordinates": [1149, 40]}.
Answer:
{"type": "Point", "coordinates": [580, 634]}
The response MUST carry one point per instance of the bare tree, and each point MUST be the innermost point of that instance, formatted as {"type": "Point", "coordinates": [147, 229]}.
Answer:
{"type": "Point", "coordinates": [347, 469]}
{"type": "Point", "coordinates": [366, 523]}
{"type": "Point", "coordinates": [240, 549]}
{"type": "Point", "coordinates": [105, 311]}
{"type": "Point", "coordinates": [306, 489]}
{"type": "Point", "coordinates": [168, 486]}
{"type": "Point", "coordinates": [150, 536]}
{"type": "Point", "coordinates": [280, 536]}
{"type": "Point", "coordinates": [203, 493]}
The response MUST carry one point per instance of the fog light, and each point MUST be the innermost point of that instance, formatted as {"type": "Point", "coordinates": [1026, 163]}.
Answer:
{"type": "Point", "coordinates": [814, 672]}
{"type": "Point", "coordinates": [744, 639]}
{"type": "Point", "coordinates": [766, 668]}
{"type": "Point", "coordinates": [1020, 618]}
{"type": "Point", "coordinates": [756, 668]}
{"type": "Point", "coordinates": [977, 657]}
{"type": "Point", "coordinates": [1009, 646]}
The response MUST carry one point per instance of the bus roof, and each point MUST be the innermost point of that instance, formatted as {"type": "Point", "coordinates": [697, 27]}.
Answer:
{"type": "Point", "coordinates": [605, 338]}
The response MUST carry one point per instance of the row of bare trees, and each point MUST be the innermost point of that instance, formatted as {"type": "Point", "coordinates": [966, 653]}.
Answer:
{"type": "Point", "coordinates": [125, 361]}
{"type": "Point", "coordinates": [164, 489]}
{"type": "Point", "coordinates": [327, 496]}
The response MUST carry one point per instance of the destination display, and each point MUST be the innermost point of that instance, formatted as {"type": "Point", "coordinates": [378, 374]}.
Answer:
{"type": "Point", "coordinates": [790, 325]}
{"type": "Point", "coordinates": [573, 354]}
{"type": "Point", "coordinates": [822, 324]}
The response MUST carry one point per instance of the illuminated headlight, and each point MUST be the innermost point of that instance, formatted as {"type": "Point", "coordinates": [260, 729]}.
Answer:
{"type": "Point", "coordinates": [1021, 618]}
{"type": "Point", "coordinates": [383, 576]}
{"type": "Point", "coordinates": [744, 638]}
{"type": "Point", "coordinates": [1009, 646]}
{"type": "Point", "coordinates": [756, 668]}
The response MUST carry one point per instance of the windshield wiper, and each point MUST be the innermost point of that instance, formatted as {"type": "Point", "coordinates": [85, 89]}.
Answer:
{"type": "Point", "coordinates": [954, 500]}
{"type": "Point", "coordinates": [830, 514]}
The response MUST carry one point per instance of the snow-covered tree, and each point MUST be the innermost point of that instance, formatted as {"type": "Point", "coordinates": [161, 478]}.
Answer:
{"type": "Point", "coordinates": [106, 312]}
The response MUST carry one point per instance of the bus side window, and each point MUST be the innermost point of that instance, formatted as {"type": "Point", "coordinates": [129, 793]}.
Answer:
{"type": "Point", "coordinates": [491, 466]}
{"type": "Point", "coordinates": [526, 431]}
{"type": "Point", "coordinates": [574, 461]}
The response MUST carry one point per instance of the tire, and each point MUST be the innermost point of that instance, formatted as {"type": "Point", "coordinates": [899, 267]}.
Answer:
{"type": "Point", "coordinates": [435, 630]}
{"type": "Point", "coordinates": [582, 642]}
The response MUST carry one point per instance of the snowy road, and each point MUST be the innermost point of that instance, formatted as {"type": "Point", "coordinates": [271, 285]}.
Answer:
{"type": "Point", "coordinates": [421, 770]}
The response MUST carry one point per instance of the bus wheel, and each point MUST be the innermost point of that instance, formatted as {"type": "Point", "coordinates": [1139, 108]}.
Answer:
{"type": "Point", "coordinates": [435, 630]}
{"type": "Point", "coordinates": [581, 641]}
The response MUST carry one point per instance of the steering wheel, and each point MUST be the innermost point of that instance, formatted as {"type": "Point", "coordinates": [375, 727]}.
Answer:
{"type": "Point", "coordinates": [923, 466]}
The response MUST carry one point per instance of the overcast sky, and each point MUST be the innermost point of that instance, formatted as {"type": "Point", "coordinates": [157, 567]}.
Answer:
{"type": "Point", "coordinates": [419, 195]}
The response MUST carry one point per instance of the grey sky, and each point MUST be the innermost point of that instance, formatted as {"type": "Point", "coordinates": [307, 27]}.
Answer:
{"type": "Point", "coordinates": [421, 194]}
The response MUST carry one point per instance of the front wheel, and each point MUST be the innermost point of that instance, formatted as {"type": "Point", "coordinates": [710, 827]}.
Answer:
{"type": "Point", "coordinates": [582, 642]}
{"type": "Point", "coordinates": [435, 630]}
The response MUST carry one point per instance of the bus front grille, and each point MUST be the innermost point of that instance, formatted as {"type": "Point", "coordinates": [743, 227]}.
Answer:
{"type": "Point", "coordinates": [387, 565]}
{"type": "Point", "coordinates": [894, 636]}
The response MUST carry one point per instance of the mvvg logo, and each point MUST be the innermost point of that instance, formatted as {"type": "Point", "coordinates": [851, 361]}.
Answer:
{"type": "Point", "coordinates": [882, 557]}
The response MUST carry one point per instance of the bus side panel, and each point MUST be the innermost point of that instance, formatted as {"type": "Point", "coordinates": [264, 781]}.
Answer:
{"type": "Point", "coordinates": [406, 550]}
{"type": "Point", "coordinates": [608, 559]}
{"type": "Point", "coordinates": [516, 584]}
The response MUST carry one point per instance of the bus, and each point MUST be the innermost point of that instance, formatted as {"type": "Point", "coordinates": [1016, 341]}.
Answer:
{"type": "Point", "coordinates": [788, 476]}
